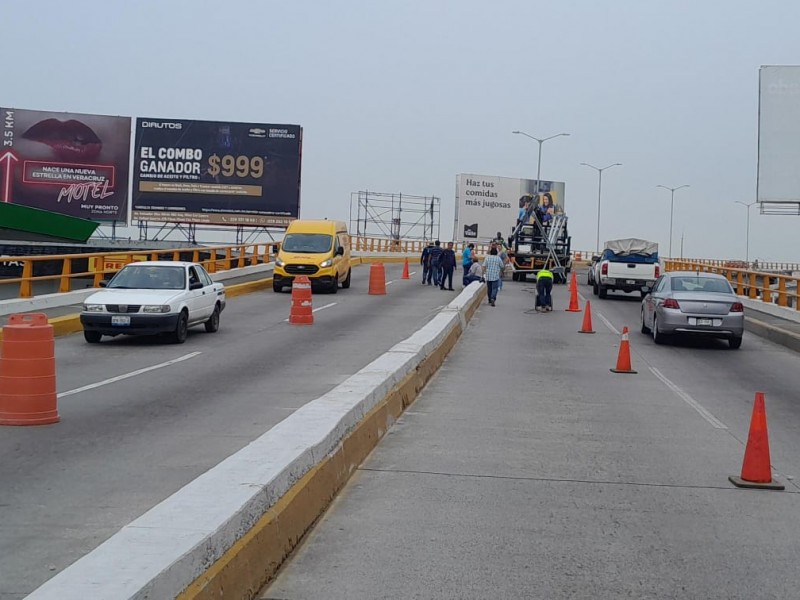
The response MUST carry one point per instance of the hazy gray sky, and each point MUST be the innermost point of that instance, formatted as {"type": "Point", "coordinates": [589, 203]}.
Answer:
{"type": "Point", "coordinates": [401, 96]}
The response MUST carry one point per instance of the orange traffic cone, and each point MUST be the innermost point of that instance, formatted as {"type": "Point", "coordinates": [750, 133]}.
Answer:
{"type": "Point", "coordinates": [756, 471]}
{"type": "Point", "coordinates": [587, 319]}
{"type": "Point", "coordinates": [301, 312]}
{"type": "Point", "coordinates": [624, 357]}
{"type": "Point", "coordinates": [573, 295]}
{"type": "Point", "coordinates": [28, 372]}
{"type": "Point", "coordinates": [377, 279]}
{"type": "Point", "coordinates": [405, 270]}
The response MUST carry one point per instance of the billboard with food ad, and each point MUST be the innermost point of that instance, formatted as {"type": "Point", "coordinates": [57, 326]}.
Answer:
{"type": "Point", "coordinates": [218, 173]}
{"type": "Point", "coordinates": [73, 164]}
{"type": "Point", "coordinates": [487, 204]}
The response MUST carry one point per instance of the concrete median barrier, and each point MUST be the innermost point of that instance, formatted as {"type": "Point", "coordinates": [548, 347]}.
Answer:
{"type": "Point", "coordinates": [226, 533]}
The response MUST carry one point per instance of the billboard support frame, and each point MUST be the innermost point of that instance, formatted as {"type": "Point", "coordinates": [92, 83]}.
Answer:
{"type": "Point", "coordinates": [395, 215]}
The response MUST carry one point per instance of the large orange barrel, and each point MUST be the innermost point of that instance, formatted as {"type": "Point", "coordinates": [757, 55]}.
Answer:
{"type": "Point", "coordinates": [28, 372]}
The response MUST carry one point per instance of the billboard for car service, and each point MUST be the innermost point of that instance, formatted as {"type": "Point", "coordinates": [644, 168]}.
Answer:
{"type": "Point", "coordinates": [74, 164]}
{"type": "Point", "coordinates": [487, 204]}
{"type": "Point", "coordinates": [216, 172]}
{"type": "Point", "coordinates": [779, 136]}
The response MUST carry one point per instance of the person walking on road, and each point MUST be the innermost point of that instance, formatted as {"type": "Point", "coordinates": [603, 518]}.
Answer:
{"type": "Point", "coordinates": [493, 268]}
{"type": "Point", "coordinates": [448, 262]}
{"type": "Point", "coordinates": [435, 268]}
{"type": "Point", "coordinates": [466, 261]}
{"type": "Point", "coordinates": [424, 260]}
{"type": "Point", "coordinates": [544, 286]}
{"type": "Point", "coordinates": [501, 252]}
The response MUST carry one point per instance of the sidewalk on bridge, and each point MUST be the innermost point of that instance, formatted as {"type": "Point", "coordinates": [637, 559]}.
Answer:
{"type": "Point", "coordinates": [526, 469]}
{"type": "Point", "coordinates": [782, 330]}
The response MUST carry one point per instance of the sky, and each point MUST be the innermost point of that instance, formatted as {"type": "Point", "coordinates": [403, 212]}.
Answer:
{"type": "Point", "coordinates": [401, 96]}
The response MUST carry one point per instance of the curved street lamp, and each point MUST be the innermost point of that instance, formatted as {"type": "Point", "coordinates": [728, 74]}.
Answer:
{"type": "Point", "coordinates": [747, 243]}
{"type": "Point", "coordinates": [599, 189]}
{"type": "Point", "coordinates": [671, 210]}
{"type": "Point", "coordinates": [541, 141]}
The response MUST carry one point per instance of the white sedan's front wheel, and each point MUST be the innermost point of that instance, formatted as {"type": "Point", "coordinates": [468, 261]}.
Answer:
{"type": "Point", "coordinates": [92, 337]}
{"type": "Point", "coordinates": [181, 329]}
{"type": "Point", "coordinates": [212, 325]}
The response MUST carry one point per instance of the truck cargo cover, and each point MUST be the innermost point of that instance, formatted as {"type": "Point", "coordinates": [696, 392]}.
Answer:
{"type": "Point", "coordinates": [632, 246]}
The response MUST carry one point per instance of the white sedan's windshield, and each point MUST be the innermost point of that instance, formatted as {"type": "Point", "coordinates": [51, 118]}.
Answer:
{"type": "Point", "coordinates": [306, 242]}
{"type": "Point", "coordinates": [149, 278]}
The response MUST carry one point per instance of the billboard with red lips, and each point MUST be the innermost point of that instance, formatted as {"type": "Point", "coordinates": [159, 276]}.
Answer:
{"type": "Point", "coordinates": [73, 164]}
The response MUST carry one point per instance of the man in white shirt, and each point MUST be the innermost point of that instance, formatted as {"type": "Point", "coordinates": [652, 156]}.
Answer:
{"type": "Point", "coordinates": [475, 272]}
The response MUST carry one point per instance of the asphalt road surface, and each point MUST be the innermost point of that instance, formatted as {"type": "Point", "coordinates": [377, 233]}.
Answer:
{"type": "Point", "coordinates": [140, 418]}
{"type": "Point", "coordinates": [526, 469]}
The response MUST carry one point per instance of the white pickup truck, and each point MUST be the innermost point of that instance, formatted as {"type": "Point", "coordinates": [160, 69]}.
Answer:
{"type": "Point", "coordinates": [626, 265]}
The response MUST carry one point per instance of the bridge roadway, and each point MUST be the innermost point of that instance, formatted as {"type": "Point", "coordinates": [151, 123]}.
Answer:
{"type": "Point", "coordinates": [526, 469]}
{"type": "Point", "coordinates": [122, 447]}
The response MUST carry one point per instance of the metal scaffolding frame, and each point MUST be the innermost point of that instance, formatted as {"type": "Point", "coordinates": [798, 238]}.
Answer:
{"type": "Point", "coordinates": [395, 216]}
{"type": "Point", "coordinates": [245, 234]}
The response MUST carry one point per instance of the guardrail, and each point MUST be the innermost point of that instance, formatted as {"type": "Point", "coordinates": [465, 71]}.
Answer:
{"type": "Point", "coordinates": [97, 265]}
{"type": "Point", "coordinates": [755, 265]}
{"type": "Point", "coordinates": [772, 288]}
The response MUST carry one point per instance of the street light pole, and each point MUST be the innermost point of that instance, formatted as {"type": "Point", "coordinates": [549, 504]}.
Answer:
{"type": "Point", "coordinates": [539, 161]}
{"type": "Point", "coordinates": [671, 210]}
{"type": "Point", "coordinates": [599, 190]}
{"type": "Point", "coordinates": [747, 242]}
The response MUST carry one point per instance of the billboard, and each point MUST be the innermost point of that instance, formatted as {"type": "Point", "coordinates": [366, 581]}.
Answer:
{"type": "Point", "coordinates": [779, 135]}
{"type": "Point", "coordinates": [216, 172]}
{"type": "Point", "coordinates": [73, 164]}
{"type": "Point", "coordinates": [487, 204]}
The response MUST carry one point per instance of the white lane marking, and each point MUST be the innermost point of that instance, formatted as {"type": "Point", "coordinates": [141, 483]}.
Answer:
{"type": "Point", "coordinates": [412, 273]}
{"type": "Point", "coordinates": [389, 282]}
{"type": "Point", "coordinates": [607, 323]}
{"type": "Point", "coordinates": [716, 423]}
{"type": "Point", "coordinates": [92, 386]}
{"type": "Point", "coordinates": [317, 309]}
{"type": "Point", "coordinates": [602, 317]}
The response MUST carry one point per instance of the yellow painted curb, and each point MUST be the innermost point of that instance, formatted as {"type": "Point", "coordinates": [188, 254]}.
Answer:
{"type": "Point", "coordinates": [61, 325]}
{"type": "Point", "coordinates": [240, 289]}
{"type": "Point", "coordinates": [66, 325]}
{"type": "Point", "coordinates": [255, 558]}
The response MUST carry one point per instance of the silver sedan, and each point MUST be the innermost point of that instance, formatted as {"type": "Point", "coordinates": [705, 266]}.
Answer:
{"type": "Point", "coordinates": [693, 303]}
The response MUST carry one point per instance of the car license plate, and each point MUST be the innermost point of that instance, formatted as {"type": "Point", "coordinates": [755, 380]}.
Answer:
{"type": "Point", "coordinates": [630, 281]}
{"type": "Point", "coordinates": [707, 322]}
{"type": "Point", "coordinates": [121, 321]}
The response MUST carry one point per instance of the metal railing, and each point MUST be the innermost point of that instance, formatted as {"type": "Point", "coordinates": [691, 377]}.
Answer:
{"type": "Point", "coordinates": [772, 288]}
{"type": "Point", "coordinates": [762, 282]}
{"type": "Point", "coordinates": [760, 266]}
{"type": "Point", "coordinates": [97, 265]}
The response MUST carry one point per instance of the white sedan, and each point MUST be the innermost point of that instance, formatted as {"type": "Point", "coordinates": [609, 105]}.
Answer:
{"type": "Point", "coordinates": [146, 298]}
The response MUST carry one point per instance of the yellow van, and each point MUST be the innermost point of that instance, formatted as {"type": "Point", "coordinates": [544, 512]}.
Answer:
{"type": "Point", "coordinates": [318, 249]}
